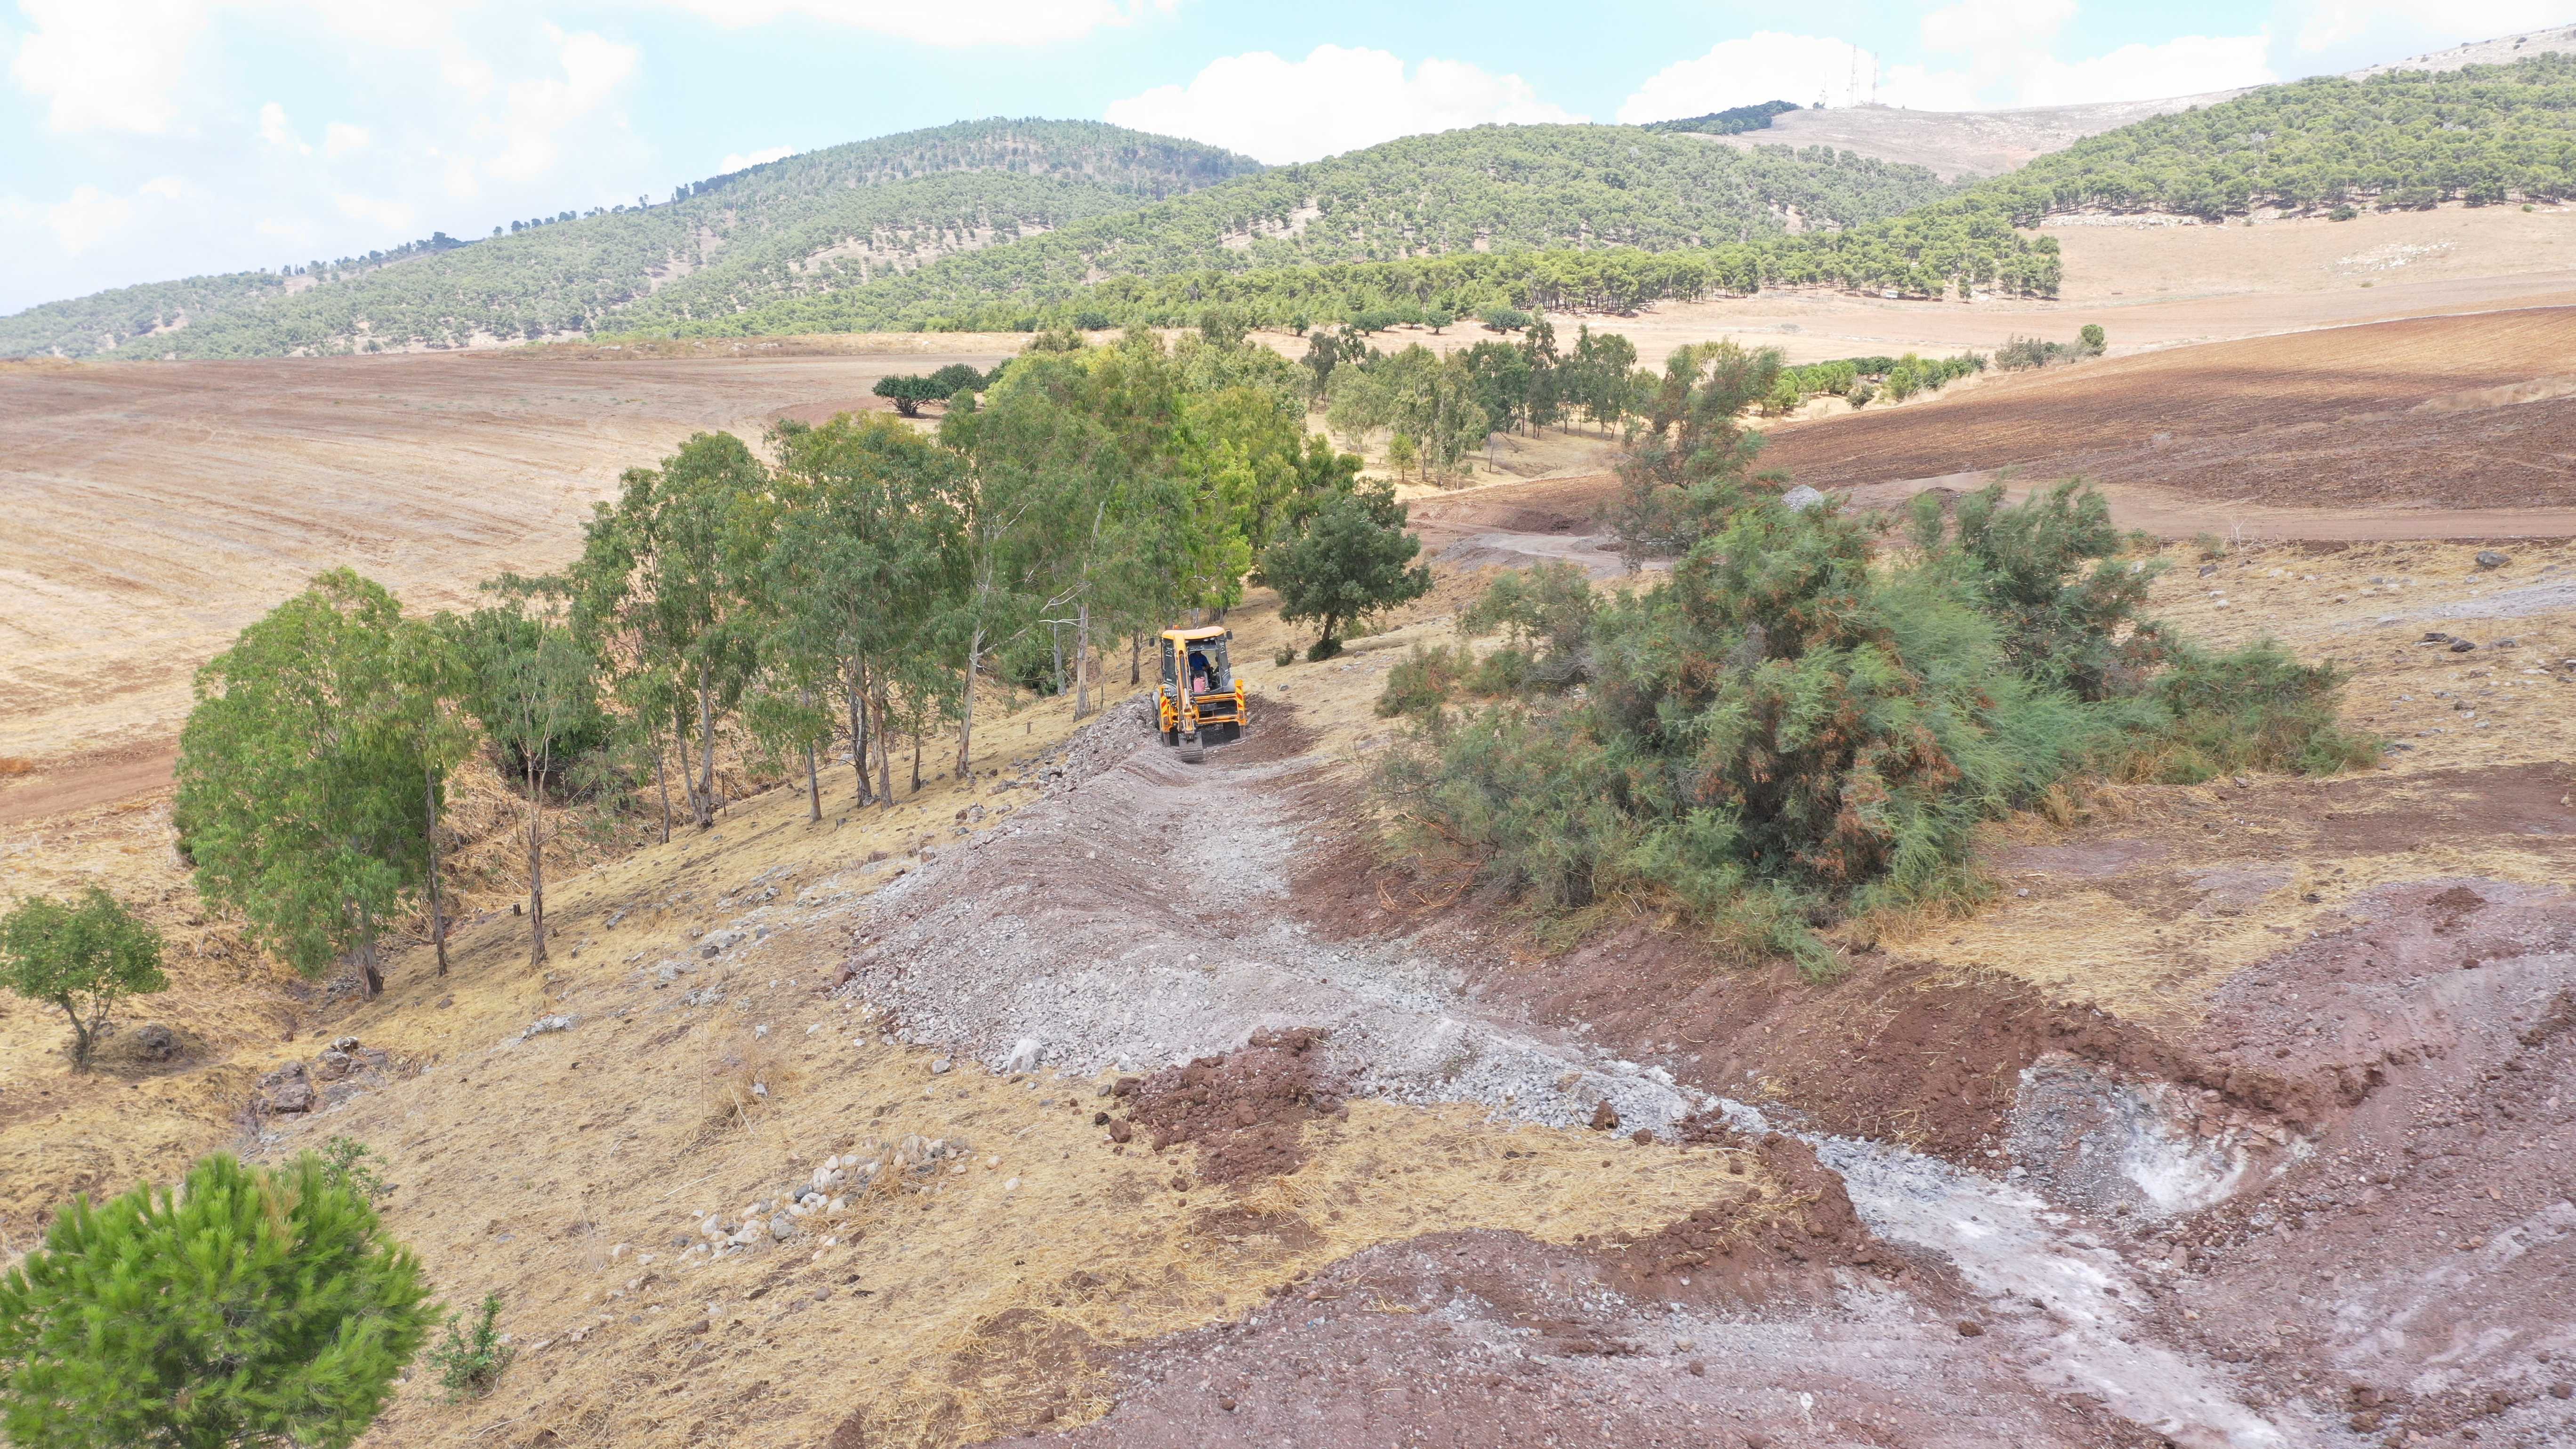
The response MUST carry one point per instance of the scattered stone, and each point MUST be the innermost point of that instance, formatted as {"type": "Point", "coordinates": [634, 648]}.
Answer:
{"type": "Point", "coordinates": [1971, 1328]}
{"type": "Point", "coordinates": [2461, 646]}
{"type": "Point", "coordinates": [155, 1043]}
{"type": "Point", "coordinates": [545, 1025]}
{"type": "Point", "coordinates": [288, 1089]}
{"type": "Point", "coordinates": [782, 1227]}
{"type": "Point", "coordinates": [1605, 1118]}
{"type": "Point", "coordinates": [1025, 1055]}
{"type": "Point", "coordinates": [1801, 498]}
{"type": "Point", "coordinates": [939, 1066]}
{"type": "Point", "coordinates": [2490, 559]}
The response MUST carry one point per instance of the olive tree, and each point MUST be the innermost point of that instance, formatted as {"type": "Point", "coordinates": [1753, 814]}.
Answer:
{"type": "Point", "coordinates": [82, 958]}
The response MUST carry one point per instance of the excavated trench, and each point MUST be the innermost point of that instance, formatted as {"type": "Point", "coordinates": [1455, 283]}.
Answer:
{"type": "Point", "coordinates": [1144, 918]}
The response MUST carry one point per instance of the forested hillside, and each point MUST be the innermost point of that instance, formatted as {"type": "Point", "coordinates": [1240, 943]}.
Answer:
{"type": "Point", "coordinates": [2484, 133]}
{"type": "Point", "coordinates": [1492, 189]}
{"type": "Point", "coordinates": [869, 207]}
{"type": "Point", "coordinates": [95, 323]}
{"type": "Point", "coordinates": [1001, 225]}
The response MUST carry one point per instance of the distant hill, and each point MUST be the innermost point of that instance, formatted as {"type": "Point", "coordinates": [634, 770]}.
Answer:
{"type": "Point", "coordinates": [820, 219]}
{"type": "Point", "coordinates": [1957, 145]}
{"type": "Point", "coordinates": [1488, 189]}
{"type": "Point", "coordinates": [2486, 134]}
{"type": "Point", "coordinates": [1973, 144]}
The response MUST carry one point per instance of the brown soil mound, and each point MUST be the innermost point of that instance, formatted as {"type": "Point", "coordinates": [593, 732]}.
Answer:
{"type": "Point", "coordinates": [2324, 418]}
{"type": "Point", "coordinates": [1244, 1109]}
{"type": "Point", "coordinates": [1713, 1257]}
{"type": "Point", "coordinates": [1489, 1340]}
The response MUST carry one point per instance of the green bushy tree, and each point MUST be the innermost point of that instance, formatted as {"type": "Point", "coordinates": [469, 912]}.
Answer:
{"type": "Point", "coordinates": [1352, 559]}
{"type": "Point", "coordinates": [300, 774]}
{"type": "Point", "coordinates": [81, 958]}
{"type": "Point", "coordinates": [248, 1307]}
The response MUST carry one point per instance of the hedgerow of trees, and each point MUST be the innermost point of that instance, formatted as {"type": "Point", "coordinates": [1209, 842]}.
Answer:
{"type": "Point", "coordinates": [849, 585]}
{"type": "Point", "coordinates": [1794, 732]}
{"type": "Point", "coordinates": [1733, 121]}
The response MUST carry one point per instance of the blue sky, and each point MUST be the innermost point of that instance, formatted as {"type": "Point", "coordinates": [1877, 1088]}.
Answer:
{"type": "Point", "coordinates": [145, 139]}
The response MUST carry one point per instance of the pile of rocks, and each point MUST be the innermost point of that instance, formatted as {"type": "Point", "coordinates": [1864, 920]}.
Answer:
{"type": "Point", "coordinates": [295, 1087]}
{"type": "Point", "coordinates": [823, 1196]}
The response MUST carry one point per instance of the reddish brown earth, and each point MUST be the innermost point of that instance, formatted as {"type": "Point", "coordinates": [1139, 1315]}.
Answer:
{"type": "Point", "coordinates": [1241, 1108]}
{"type": "Point", "coordinates": [2410, 413]}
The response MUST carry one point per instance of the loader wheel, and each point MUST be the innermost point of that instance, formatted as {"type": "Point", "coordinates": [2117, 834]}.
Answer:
{"type": "Point", "coordinates": [1171, 737]}
{"type": "Point", "coordinates": [1192, 750]}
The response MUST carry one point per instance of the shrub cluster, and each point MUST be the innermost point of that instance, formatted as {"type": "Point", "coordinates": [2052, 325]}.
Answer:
{"type": "Point", "coordinates": [1801, 727]}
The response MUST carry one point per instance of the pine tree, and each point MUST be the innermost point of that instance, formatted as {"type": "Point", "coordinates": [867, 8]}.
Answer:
{"type": "Point", "coordinates": [250, 1307]}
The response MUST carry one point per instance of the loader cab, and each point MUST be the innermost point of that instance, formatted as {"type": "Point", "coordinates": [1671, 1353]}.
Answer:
{"type": "Point", "coordinates": [1200, 699]}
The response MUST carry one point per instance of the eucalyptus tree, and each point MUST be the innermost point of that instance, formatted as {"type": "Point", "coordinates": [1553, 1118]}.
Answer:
{"type": "Point", "coordinates": [667, 591]}
{"type": "Point", "coordinates": [300, 797]}
{"type": "Point", "coordinates": [870, 556]}
{"type": "Point", "coordinates": [532, 683]}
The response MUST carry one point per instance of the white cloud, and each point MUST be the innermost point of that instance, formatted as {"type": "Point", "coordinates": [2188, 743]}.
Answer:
{"type": "Point", "coordinates": [86, 218]}
{"type": "Point", "coordinates": [993, 22]}
{"type": "Point", "coordinates": [2006, 56]}
{"type": "Point", "coordinates": [2422, 24]}
{"type": "Point", "coordinates": [108, 65]}
{"type": "Point", "coordinates": [738, 160]}
{"type": "Point", "coordinates": [276, 131]}
{"type": "Point", "coordinates": [539, 110]}
{"type": "Point", "coordinates": [168, 188]}
{"type": "Point", "coordinates": [391, 216]}
{"type": "Point", "coordinates": [2184, 66]}
{"type": "Point", "coordinates": [340, 139]}
{"type": "Point", "coordinates": [1763, 66]}
{"type": "Point", "coordinates": [1334, 100]}
{"type": "Point", "coordinates": [285, 229]}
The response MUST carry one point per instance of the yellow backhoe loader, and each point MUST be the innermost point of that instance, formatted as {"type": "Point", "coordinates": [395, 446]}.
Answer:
{"type": "Point", "coordinates": [1201, 699]}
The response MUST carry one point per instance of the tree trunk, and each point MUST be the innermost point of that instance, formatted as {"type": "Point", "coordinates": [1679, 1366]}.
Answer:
{"type": "Point", "coordinates": [367, 953]}
{"type": "Point", "coordinates": [536, 870]}
{"type": "Point", "coordinates": [1055, 643]}
{"type": "Point", "coordinates": [857, 688]}
{"type": "Point", "coordinates": [662, 779]}
{"type": "Point", "coordinates": [707, 749]}
{"type": "Point", "coordinates": [84, 1038]}
{"type": "Point", "coordinates": [916, 764]}
{"type": "Point", "coordinates": [880, 712]}
{"type": "Point", "coordinates": [965, 713]}
{"type": "Point", "coordinates": [1082, 659]}
{"type": "Point", "coordinates": [437, 907]}
{"type": "Point", "coordinates": [1135, 660]}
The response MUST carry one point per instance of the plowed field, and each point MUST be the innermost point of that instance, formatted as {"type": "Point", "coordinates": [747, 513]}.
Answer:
{"type": "Point", "coordinates": [2436, 413]}
{"type": "Point", "coordinates": [155, 509]}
